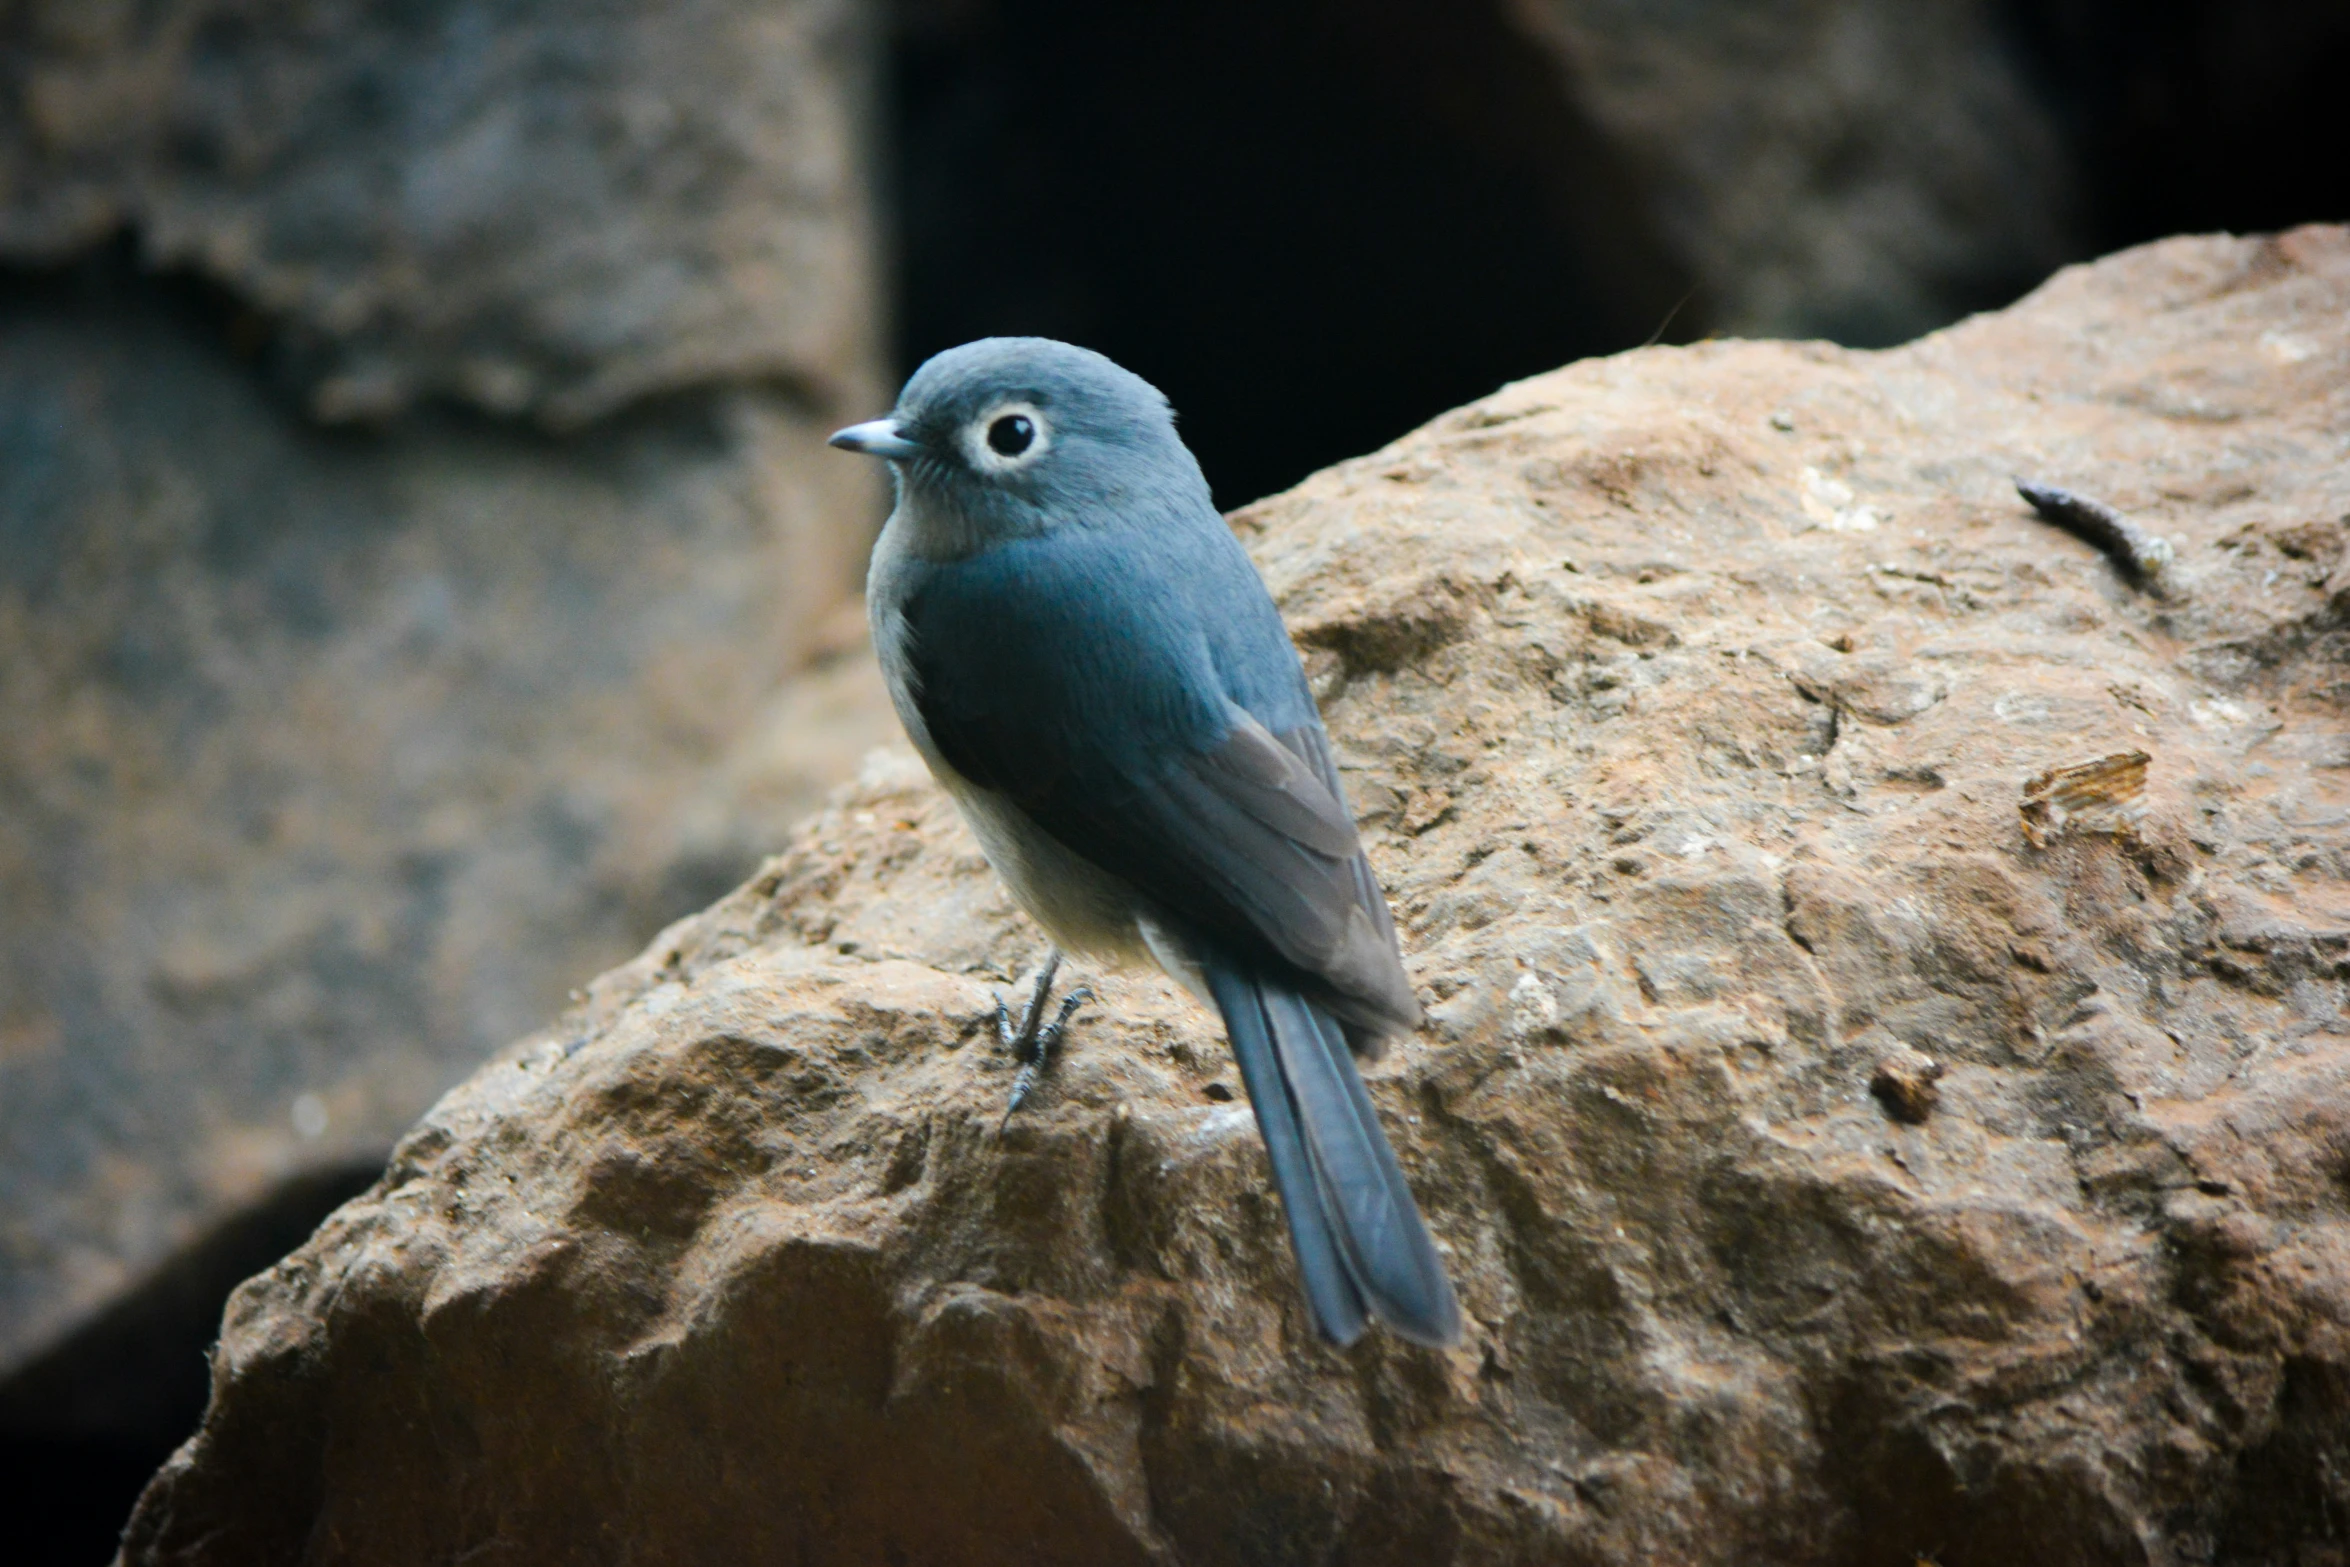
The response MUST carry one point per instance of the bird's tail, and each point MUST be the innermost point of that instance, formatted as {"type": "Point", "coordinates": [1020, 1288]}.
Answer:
{"type": "Point", "coordinates": [1361, 1245]}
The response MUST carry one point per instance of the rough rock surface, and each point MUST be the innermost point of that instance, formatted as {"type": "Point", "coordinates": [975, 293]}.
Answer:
{"type": "Point", "coordinates": [1689, 699]}
{"type": "Point", "coordinates": [335, 759]}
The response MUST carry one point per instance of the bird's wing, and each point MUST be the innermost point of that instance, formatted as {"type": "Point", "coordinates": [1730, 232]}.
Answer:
{"type": "Point", "coordinates": [1087, 694]}
{"type": "Point", "coordinates": [1312, 745]}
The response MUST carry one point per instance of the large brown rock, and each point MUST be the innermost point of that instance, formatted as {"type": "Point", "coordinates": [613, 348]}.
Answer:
{"type": "Point", "coordinates": [1833, 1170]}
{"type": "Point", "coordinates": [336, 758]}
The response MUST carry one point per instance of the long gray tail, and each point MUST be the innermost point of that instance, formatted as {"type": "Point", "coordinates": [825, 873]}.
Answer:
{"type": "Point", "coordinates": [1361, 1245]}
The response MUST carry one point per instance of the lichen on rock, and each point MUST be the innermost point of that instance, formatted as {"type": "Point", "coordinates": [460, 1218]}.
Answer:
{"type": "Point", "coordinates": [1695, 812]}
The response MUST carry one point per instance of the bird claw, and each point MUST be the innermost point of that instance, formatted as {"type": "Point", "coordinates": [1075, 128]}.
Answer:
{"type": "Point", "coordinates": [1032, 1043]}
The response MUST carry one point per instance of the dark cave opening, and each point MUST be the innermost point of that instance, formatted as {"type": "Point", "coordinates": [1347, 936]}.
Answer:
{"type": "Point", "coordinates": [83, 1426]}
{"type": "Point", "coordinates": [2189, 117]}
{"type": "Point", "coordinates": [1313, 228]}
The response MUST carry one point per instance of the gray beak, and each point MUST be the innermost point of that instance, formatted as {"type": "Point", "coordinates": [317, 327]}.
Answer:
{"type": "Point", "coordinates": [876, 438]}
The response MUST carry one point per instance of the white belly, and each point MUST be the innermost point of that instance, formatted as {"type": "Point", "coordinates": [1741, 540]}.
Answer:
{"type": "Point", "coordinates": [1084, 908]}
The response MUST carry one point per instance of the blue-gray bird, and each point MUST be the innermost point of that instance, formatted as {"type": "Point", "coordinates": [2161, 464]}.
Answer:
{"type": "Point", "coordinates": [1088, 661]}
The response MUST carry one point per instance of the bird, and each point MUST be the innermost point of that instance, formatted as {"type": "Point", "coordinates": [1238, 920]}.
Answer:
{"type": "Point", "coordinates": [1088, 662]}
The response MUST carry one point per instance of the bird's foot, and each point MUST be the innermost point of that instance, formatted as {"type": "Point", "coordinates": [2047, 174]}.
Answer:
{"type": "Point", "coordinates": [1032, 1043]}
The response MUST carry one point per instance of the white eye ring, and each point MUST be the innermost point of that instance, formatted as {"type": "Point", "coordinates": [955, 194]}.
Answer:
{"type": "Point", "coordinates": [1007, 438]}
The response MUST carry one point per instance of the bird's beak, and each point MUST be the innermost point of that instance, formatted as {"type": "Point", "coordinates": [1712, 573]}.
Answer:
{"type": "Point", "coordinates": [876, 438]}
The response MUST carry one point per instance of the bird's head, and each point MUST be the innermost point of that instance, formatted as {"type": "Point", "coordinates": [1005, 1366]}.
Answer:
{"type": "Point", "coordinates": [1014, 436]}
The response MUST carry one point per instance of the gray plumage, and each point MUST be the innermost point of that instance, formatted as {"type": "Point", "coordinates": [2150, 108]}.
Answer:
{"type": "Point", "coordinates": [1090, 665]}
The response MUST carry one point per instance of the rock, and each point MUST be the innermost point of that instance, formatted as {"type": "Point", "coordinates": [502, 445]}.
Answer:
{"type": "Point", "coordinates": [730, 1262]}
{"type": "Point", "coordinates": [1835, 168]}
{"type": "Point", "coordinates": [336, 759]}
{"type": "Point", "coordinates": [1905, 1083]}
{"type": "Point", "coordinates": [529, 207]}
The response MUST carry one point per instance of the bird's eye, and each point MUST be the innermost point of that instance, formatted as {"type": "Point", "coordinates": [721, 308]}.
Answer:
{"type": "Point", "coordinates": [1005, 439]}
{"type": "Point", "coordinates": [1011, 435]}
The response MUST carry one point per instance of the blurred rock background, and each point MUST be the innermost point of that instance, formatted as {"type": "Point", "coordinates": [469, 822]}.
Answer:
{"type": "Point", "coordinates": [420, 575]}
{"type": "Point", "coordinates": [413, 508]}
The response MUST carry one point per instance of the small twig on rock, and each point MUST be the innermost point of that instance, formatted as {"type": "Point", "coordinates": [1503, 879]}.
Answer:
{"type": "Point", "coordinates": [2143, 557]}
